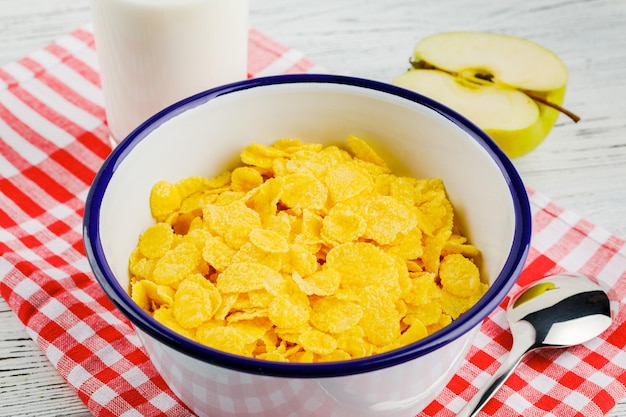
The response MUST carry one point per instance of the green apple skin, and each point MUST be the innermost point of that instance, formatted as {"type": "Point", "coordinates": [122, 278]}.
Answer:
{"type": "Point", "coordinates": [517, 144]}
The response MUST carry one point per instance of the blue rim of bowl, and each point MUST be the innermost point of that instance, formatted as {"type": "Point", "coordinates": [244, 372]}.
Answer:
{"type": "Point", "coordinates": [472, 318]}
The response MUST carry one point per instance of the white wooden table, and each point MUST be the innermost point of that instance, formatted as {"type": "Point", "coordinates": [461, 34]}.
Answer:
{"type": "Point", "coordinates": [581, 166]}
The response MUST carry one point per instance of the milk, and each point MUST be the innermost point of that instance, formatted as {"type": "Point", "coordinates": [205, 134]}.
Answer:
{"type": "Point", "coordinates": [152, 53]}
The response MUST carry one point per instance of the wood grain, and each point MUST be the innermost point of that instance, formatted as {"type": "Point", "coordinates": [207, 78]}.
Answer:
{"type": "Point", "coordinates": [580, 166]}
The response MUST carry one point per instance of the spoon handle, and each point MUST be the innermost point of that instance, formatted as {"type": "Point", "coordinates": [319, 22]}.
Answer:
{"type": "Point", "coordinates": [521, 345]}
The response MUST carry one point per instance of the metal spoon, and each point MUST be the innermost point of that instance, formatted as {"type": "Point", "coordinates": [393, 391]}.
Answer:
{"type": "Point", "coordinates": [558, 311]}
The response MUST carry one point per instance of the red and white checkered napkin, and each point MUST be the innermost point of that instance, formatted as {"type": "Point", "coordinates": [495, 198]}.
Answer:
{"type": "Point", "coordinates": [582, 381]}
{"type": "Point", "coordinates": [52, 142]}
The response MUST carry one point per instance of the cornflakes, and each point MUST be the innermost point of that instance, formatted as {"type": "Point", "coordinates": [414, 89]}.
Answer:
{"type": "Point", "coordinates": [246, 179]}
{"type": "Point", "coordinates": [315, 341]}
{"type": "Point", "coordinates": [362, 264]}
{"type": "Point", "coordinates": [302, 191]}
{"type": "Point", "coordinates": [304, 253]}
{"type": "Point", "coordinates": [269, 241]}
{"type": "Point", "coordinates": [176, 264]}
{"type": "Point", "coordinates": [243, 277]}
{"type": "Point", "coordinates": [196, 301]}
{"type": "Point", "coordinates": [333, 315]}
{"type": "Point", "coordinates": [156, 240]}
{"type": "Point", "coordinates": [346, 181]}
{"type": "Point", "coordinates": [385, 217]}
{"type": "Point", "coordinates": [289, 311]}
{"type": "Point", "coordinates": [165, 199]}
{"type": "Point", "coordinates": [323, 282]}
{"type": "Point", "coordinates": [342, 225]}
{"type": "Point", "coordinates": [459, 275]}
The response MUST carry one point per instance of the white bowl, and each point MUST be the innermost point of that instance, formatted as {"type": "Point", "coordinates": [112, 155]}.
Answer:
{"type": "Point", "coordinates": [204, 134]}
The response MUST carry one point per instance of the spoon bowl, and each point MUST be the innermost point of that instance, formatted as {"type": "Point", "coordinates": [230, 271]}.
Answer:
{"type": "Point", "coordinates": [558, 311]}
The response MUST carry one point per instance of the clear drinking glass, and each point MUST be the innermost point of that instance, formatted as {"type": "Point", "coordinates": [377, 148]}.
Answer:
{"type": "Point", "coordinates": [152, 53]}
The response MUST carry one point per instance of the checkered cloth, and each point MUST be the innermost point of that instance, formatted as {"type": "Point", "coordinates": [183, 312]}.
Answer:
{"type": "Point", "coordinates": [53, 139]}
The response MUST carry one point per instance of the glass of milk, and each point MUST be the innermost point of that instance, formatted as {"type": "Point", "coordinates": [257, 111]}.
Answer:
{"type": "Point", "coordinates": [152, 53]}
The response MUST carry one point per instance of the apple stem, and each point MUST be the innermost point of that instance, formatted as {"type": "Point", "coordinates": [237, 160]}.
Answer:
{"type": "Point", "coordinates": [575, 118]}
{"type": "Point", "coordinates": [486, 78]}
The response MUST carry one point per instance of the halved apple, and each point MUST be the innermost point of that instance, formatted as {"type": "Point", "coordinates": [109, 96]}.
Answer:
{"type": "Point", "coordinates": [510, 87]}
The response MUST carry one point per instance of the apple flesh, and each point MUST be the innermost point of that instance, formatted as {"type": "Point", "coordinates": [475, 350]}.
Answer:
{"type": "Point", "coordinates": [510, 87]}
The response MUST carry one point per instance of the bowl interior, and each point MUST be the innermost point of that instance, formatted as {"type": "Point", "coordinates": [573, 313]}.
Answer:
{"type": "Point", "coordinates": [205, 134]}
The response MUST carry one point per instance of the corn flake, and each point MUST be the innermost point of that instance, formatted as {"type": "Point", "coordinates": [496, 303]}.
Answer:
{"type": "Point", "coordinates": [245, 179]}
{"type": "Point", "coordinates": [165, 199]}
{"type": "Point", "coordinates": [334, 315]}
{"type": "Point", "coordinates": [165, 316]}
{"type": "Point", "coordinates": [318, 342]}
{"type": "Point", "coordinates": [196, 301]}
{"type": "Point", "coordinates": [142, 268]}
{"type": "Point", "coordinates": [191, 185]}
{"type": "Point", "coordinates": [261, 156]}
{"type": "Point", "coordinates": [243, 277]}
{"type": "Point", "coordinates": [364, 152]}
{"type": "Point", "coordinates": [226, 338]}
{"type": "Point", "coordinates": [323, 282]}
{"type": "Point", "coordinates": [264, 199]}
{"type": "Point", "coordinates": [217, 253]}
{"type": "Point", "coordinates": [269, 240]}
{"type": "Point", "coordinates": [460, 276]}
{"type": "Point", "coordinates": [342, 225]}
{"type": "Point", "coordinates": [380, 320]}
{"type": "Point", "coordinates": [176, 264]}
{"type": "Point", "coordinates": [385, 218]}
{"type": "Point", "coordinates": [353, 342]}
{"type": "Point", "coordinates": [361, 264]}
{"type": "Point", "coordinates": [346, 181]}
{"type": "Point", "coordinates": [302, 191]}
{"type": "Point", "coordinates": [156, 240]}
{"type": "Point", "coordinates": [290, 311]}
